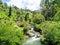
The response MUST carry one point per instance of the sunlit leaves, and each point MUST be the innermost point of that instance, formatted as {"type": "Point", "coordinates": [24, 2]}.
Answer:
{"type": "Point", "coordinates": [50, 32]}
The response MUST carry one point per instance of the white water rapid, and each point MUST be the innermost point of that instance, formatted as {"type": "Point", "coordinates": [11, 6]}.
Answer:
{"type": "Point", "coordinates": [34, 40]}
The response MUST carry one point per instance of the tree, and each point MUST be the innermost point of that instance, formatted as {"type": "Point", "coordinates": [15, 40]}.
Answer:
{"type": "Point", "coordinates": [51, 33]}
{"type": "Point", "coordinates": [10, 35]}
{"type": "Point", "coordinates": [48, 9]}
{"type": "Point", "coordinates": [0, 2]}
{"type": "Point", "coordinates": [26, 17]}
{"type": "Point", "coordinates": [10, 9]}
{"type": "Point", "coordinates": [57, 2]}
{"type": "Point", "coordinates": [38, 18]}
{"type": "Point", "coordinates": [57, 16]}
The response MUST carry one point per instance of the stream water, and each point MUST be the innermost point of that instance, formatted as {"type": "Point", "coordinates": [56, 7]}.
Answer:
{"type": "Point", "coordinates": [34, 40]}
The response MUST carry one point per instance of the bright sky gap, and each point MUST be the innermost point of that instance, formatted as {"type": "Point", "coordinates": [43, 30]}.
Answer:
{"type": "Point", "coordinates": [24, 4]}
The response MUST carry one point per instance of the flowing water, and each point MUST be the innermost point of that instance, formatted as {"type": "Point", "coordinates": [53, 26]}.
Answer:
{"type": "Point", "coordinates": [34, 40]}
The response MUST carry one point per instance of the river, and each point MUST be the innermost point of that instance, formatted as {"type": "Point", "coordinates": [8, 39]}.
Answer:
{"type": "Point", "coordinates": [34, 40]}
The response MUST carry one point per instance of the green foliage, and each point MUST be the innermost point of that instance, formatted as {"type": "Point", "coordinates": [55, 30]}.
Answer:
{"type": "Point", "coordinates": [38, 18]}
{"type": "Point", "coordinates": [14, 23]}
{"type": "Point", "coordinates": [10, 10]}
{"type": "Point", "coordinates": [57, 2]}
{"type": "Point", "coordinates": [57, 16]}
{"type": "Point", "coordinates": [37, 28]}
{"type": "Point", "coordinates": [51, 33]}
{"type": "Point", "coordinates": [48, 9]}
{"type": "Point", "coordinates": [1, 3]}
{"type": "Point", "coordinates": [10, 35]}
{"type": "Point", "coordinates": [27, 25]}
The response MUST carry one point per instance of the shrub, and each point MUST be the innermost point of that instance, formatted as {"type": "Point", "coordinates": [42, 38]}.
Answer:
{"type": "Point", "coordinates": [38, 18]}
{"type": "Point", "coordinates": [37, 28]}
{"type": "Point", "coordinates": [51, 33]}
{"type": "Point", "coordinates": [2, 15]}
{"type": "Point", "coordinates": [26, 26]}
{"type": "Point", "coordinates": [10, 35]}
{"type": "Point", "coordinates": [57, 16]}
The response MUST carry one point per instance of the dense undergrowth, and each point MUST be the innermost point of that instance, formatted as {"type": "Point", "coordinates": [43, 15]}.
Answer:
{"type": "Point", "coordinates": [14, 23]}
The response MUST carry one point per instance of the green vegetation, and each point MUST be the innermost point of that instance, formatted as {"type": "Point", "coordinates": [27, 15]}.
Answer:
{"type": "Point", "coordinates": [50, 33]}
{"type": "Point", "coordinates": [10, 35]}
{"type": "Point", "coordinates": [14, 23]}
{"type": "Point", "coordinates": [57, 16]}
{"type": "Point", "coordinates": [51, 27]}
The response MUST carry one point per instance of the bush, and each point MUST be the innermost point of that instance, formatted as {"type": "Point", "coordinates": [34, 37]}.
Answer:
{"type": "Point", "coordinates": [37, 28]}
{"type": "Point", "coordinates": [2, 15]}
{"type": "Point", "coordinates": [38, 18]}
{"type": "Point", "coordinates": [51, 33]}
{"type": "Point", "coordinates": [10, 35]}
{"type": "Point", "coordinates": [57, 16]}
{"type": "Point", "coordinates": [27, 26]}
